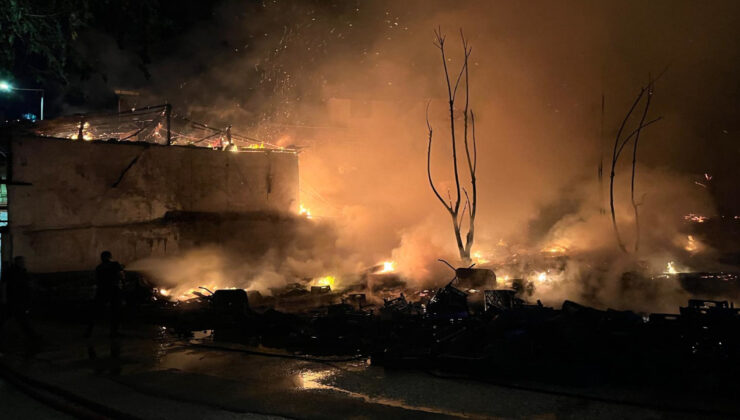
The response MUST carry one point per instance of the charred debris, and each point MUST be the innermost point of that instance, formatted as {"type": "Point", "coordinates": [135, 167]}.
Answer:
{"type": "Point", "coordinates": [466, 329]}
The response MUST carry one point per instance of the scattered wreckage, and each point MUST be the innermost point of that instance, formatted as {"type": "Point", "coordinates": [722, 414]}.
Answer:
{"type": "Point", "coordinates": [467, 329]}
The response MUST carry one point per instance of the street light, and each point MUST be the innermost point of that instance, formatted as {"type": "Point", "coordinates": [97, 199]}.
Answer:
{"type": "Point", "coordinates": [7, 87]}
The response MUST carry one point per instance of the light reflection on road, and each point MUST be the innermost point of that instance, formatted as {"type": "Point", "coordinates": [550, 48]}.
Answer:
{"type": "Point", "coordinates": [309, 379]}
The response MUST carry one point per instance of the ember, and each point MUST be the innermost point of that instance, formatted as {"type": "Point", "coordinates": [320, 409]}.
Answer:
{"type": "Point", "coordinates": [555, 249]}
{"type": "Point", "coordinates": [304, 212]}
{"type": "Point", "coordinates": [696, 218]}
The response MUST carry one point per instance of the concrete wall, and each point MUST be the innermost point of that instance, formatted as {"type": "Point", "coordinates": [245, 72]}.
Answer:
{"type": "Point", "coordinates": [84, 197]}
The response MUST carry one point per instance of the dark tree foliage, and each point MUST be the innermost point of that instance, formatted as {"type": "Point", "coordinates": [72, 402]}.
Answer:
{"type": "Point", "coordinates": [38, 37]}
{"type": "Point", "coordinates": [275, 48]}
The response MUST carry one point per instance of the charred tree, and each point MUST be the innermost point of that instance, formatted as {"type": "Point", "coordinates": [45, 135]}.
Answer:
{"type": "Point", "coordinates": [456, 212]}
{"type": "Point", "coordinates": [635, 204]}
{"type": "Point", "coordinates": [619, 144]}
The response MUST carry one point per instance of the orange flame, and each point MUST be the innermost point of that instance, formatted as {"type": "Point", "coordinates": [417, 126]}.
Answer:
{"type": "Point", "coordinates": [388, 267]}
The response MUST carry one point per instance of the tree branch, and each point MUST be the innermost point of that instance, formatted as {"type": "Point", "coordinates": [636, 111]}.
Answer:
{"type": "Point", "coordinates": [635, 132]}
{"type": "Point", "coordinates": [451, 98]}
{"type": "Point", "coordinates": [634, 163]}
{"type": "Point", "coordinates": [615, 156]}
{"type": "Point", "coordinates": [429, 162]}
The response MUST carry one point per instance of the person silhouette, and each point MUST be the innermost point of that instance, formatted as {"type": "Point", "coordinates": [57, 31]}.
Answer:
{"type": "Point", "coordinates": [109, 277]}
{"type": "Point", "coordinates": [16, 284]}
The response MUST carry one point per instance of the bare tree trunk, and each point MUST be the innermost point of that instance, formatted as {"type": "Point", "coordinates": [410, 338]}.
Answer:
{"type": "Point", "coordinates": [456, 213]}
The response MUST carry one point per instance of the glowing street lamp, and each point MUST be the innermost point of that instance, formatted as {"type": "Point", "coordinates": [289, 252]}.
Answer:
{"type": "Point", "coordinates": [7, 87]}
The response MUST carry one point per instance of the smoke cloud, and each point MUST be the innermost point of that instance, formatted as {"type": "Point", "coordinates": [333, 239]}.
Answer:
{"type": "Point", "coordinates": [349, 83]}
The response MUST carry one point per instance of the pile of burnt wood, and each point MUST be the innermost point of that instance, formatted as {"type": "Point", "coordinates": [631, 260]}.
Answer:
{"type": "Point", "coordinates": [503, 336]}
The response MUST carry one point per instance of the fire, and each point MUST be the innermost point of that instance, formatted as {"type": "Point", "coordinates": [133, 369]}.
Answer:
{"type": "Point", "coordinates": [164, 292]}
{"type": "Point", "coordinates": [502, 281]}
{"type": "Point", "coordinates": [86, 134]}
{"type": "Point", "coordinates": [555, 249]}
{"type": "Point", "coordinates": [304, 212]}
{"type": "Point", "coordinates": [325, 281]}
{"type": "Point", "coordinates": [542, 277]}
{"type": "Point", "coordinates": [670, 268]}
{"type": "Point", "coordinates": [388, 267]}
{"type": "Point", "coordinates": [696, 218]}
{"type": "Point", "coordinates": [691, 245]}
{"type": "Point", "coordinates": [479, 258]}
{"type": "Point", "coordinates": [256, 146]}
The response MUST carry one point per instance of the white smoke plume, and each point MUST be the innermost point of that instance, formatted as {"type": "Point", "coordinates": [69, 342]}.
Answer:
{"type": "Point", "coordinates": [351, 86]}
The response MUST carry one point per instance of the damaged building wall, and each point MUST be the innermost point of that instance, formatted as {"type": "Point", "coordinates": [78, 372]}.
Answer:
{"type": "Point", "coordinates": [71, 199]}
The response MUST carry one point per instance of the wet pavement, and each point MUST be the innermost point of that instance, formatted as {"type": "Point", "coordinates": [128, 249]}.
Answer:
{"type": "Point", "coordinates": [151, 373]}
{"type": "Point", "coordinates": [16, 405]}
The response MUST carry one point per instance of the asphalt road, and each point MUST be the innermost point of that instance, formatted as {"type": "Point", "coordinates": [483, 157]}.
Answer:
{"type": "Point", "coordinates": [16, 405]}
{"type": "Point", "coordinates": [151, 374]}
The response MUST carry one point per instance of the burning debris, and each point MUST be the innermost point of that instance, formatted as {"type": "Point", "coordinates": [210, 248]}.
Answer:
{"type": "Point", "coordinates": [506, 335]}
{"type": "Point", "coordinates": [696, 218]}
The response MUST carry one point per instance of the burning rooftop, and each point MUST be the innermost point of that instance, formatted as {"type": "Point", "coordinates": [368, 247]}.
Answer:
{"type": "Point", "coordinates": [150, 124]}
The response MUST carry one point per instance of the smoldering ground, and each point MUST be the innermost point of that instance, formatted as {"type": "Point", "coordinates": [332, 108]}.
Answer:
{"type": "Point", "coordinates": [350, 81]}
{"type": "Point", "coordinates": [300, 252]}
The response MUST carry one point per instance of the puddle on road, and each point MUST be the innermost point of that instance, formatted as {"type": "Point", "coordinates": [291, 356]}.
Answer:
{"type": "Point", "coordinates": [303, 376]}
{"type": "Point", "coordinates": [310, 379]}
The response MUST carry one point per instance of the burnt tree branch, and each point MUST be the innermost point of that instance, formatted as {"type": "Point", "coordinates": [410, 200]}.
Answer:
{"type": "Point", "coordinates": [453, 208]}
{"type": "Point", "coordinates": [615, 157]}
{"type": "Point", "coordinates": [634, 164]}
{"type": "Point", "coordinates": [619, 145]}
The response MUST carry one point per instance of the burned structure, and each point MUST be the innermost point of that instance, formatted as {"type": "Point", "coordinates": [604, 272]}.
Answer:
{"type": "Point", "coordinates": [139, 184]}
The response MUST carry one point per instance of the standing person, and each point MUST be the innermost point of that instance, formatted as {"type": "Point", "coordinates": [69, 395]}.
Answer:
{"type": "Point", "coordinates": [17, 295]}
{"type": "Point", "coordinates": [109, 282]}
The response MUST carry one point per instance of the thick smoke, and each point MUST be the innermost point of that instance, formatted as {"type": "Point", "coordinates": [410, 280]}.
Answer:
{"type": "Point", "coordinates": [350, 83]}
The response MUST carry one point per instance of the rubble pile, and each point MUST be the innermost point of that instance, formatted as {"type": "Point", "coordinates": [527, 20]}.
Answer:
{"type": "Point", "coordinates": [504, 338]}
